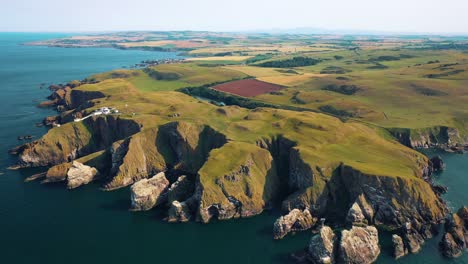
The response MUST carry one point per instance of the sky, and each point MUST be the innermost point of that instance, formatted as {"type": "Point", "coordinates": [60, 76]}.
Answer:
{"type": "Point", "coordinates": [398, 16]}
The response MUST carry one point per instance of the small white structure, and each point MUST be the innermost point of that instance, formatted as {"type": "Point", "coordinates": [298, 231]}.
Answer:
{"type": "Point", "coordinates": [100, 111]}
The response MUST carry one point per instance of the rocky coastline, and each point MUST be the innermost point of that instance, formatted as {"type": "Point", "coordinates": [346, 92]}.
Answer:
{"type": "Point", "coordinates": [165, 167]}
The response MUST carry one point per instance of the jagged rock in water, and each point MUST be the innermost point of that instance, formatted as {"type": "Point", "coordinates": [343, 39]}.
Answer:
{"type": "Point", "coordinates": [359, 245]}
{"type": "Point", "coordinates": [463, 214]}
{"type": "Point", "coordinates": [180, 190]}
{"type": "Point", "coordinates": [179, 212]}
{"type": "Point", "coordinates": [455, 239]}
{"type": "Point", "coordinates": [148, 193]}
{"type": "Point", "coordinates": [413, 240]}
{"type": "Point", "coordinates": [355, 215]}
{"type": "Point", "coordinates": [296, 220]}
{"type": "Point", "coordinates": [437, 163]}
{"type": "Point", "coordinates": [80, 174]}
{"type": "Point", "coordinates": [322, 246]}
{"type": "Point", "coordinates": [398, 246]}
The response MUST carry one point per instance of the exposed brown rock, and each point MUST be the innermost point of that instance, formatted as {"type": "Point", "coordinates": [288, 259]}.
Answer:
{"type": "Point", "coordinates": [398, 246]}
{"type": "Point", "coordinates": [148, 193]}
{"type": "Point", "coordinates": [359, 245]}
{"type": "Point", "coordinates": [455, 239]}
{"type": "Point", "coordinates": [322, 246]}
{"type": "Point", "coordinates": [179, 212]}
{"type": "Point", "coordinates": [80, 174]}
{"type": "Point", "coordinates": [296, 220]}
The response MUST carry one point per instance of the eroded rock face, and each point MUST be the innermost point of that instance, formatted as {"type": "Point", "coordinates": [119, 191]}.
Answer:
{"type": "Point", "coordinates": [355, 215]}
{"type": "Point", "coordinates": [246, 186]}
{"type": "Point", "coordinates": [80, 174]}
{"type": "Point", "coordinates": [389, 201]}
{"type": "Point", "coordinates": [322, 246]}
{"type": "Point", "coordinates": [296, 220]}
{"type": "Point", "coordinates": [180, 190]}
{"type": "Point", "coordinates": [437, 163]}
{"type": "Point", "coordinates": [398, 246]}
{"type": "Point", "coordinates": [148, 193]}
{"type": "Point", "coordinates": [359, 245]}
{"type": "Point", "coordinates": [455, 239]}
{"type": "Point", "coordinates": [179, 212]}
{"type": "Point", "coordinates": [412, 238]}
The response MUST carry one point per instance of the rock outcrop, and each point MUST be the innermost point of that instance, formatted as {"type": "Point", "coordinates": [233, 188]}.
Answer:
{"type": "Point", "coordinates": [412, 238]}
{"type": "Point", "coordinates": [437, 163]}
{"type": "Point", "coordinates": [359, 245]}
{"type": "Point", "coordinates": [455, 239]}
{"type": "Point", "coordinates": [322, 247]}
{"type": "Point", "coordinates": [388, 201]}
{"type": "Point", "coordinates": [399, 249]}
{"type": "Point", "coordinates": [80, 174]}
{"type": "Point", "coordinates": [148, 193]}
{"type": "Point", "coordinates": [355, 215]}
{"type": "Point", "coordinates": [442, 137]}
{"type": "Point", "coordinates": [238, 180]}
{"type": "Point", "coordinates": [296, 220]}
{"type": "Point", "coordinates": [179, 212]}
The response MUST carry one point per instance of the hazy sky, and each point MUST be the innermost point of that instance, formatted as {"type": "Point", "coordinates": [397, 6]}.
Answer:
{"type": "Point", "coordinates": [449, 16]}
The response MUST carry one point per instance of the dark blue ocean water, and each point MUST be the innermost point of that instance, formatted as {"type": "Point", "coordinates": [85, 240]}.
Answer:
{"type": "Point", "coordinates": [49, 224]}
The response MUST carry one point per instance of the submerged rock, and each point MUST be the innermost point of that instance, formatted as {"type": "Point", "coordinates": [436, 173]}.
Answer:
{"type": "Point", "coordinates": [148, 193]}
{"type": "Point", "coordinates": [322, 246]}
{"type": "Point", "coordinates": [296, 220]}
{"type": "Point", "coordinates": [80, 174]}
{"type": "Point", "coordinates": [455, 239]}
{"type": "Point", "coordinates": [398, 246]}
{"type": "Point", "coordinates": [359, 245]}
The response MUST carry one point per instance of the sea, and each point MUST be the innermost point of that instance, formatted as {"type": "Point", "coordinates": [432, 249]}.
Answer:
{"type": "Point", "coordinates": [46, 223]}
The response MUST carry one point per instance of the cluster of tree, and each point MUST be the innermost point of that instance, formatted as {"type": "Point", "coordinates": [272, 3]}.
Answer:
{"type": "Point", "coordinates": [222, 54]}
{"type": "Point", "coordinates": [259, 57]}
{"type": "Point", "coordinates": [289, 63]}
{"type": "Point", "coordinates": [334, 70]}
{"type": "Point", "coordinates": [377, 66]}
{"type": "Point", "coordinates": [428, 91]}
{"type": "Point", "coordinates": [329, 109]}
{"type": "Point", "coordinates": [342, 89]}
{"type": "Point", "coordinates": [296, 100]}
{"type": "Point", "coordinates": [158, 75]}
{"type": "Point", "coordinates": [444, 74]}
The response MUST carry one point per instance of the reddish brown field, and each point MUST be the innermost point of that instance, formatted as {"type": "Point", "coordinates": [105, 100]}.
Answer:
{"type": "Point", "coordinates": [247, 88]}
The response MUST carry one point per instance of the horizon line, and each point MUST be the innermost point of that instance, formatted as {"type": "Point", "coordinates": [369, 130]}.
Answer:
{"type": "Point", "coordinates": [272, 31]}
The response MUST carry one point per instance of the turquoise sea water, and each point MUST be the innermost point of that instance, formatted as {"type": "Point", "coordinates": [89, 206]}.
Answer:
{"type": "Point", "coordinates": [49, 224]}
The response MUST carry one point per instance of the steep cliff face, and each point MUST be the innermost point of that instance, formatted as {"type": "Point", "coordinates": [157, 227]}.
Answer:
{"type": "Point", "coordinates": [441, 136]}
{"type": "Point", "coordinates": [75, 98]}
{"type": "Point", "coordinates": [185, 146]}
{"type": "Point", "coordinates": [135, 158]}
{"type": "Point", "coordinates": [238, 180]}
{"type": "Point", "coordinates": [74, 140]}
{"type": "Point", "coordinates": [394, 200]}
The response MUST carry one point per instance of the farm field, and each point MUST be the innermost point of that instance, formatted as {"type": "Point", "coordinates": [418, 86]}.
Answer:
{"type": "Point", "coordinates": [248, 88]}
